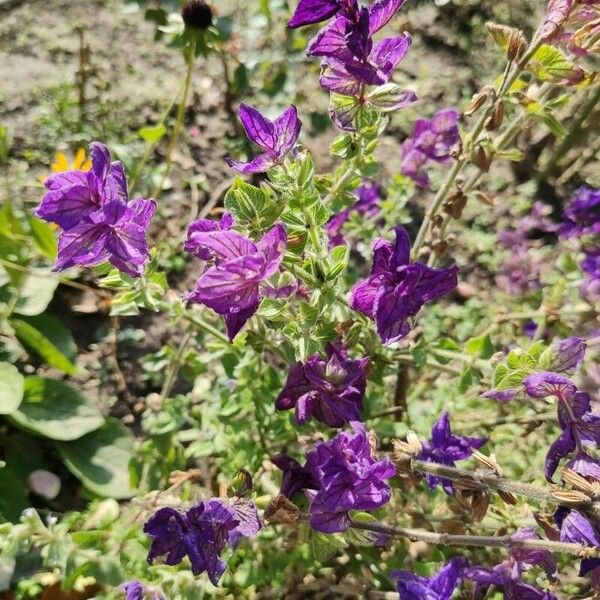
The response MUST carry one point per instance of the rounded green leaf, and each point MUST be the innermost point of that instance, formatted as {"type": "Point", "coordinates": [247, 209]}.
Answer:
{"type": "Point", "coordinates": [100, 460]}
{"type": "Point", "coordinates": [11, 388]}
{"type": "Point", "coordinates": [55, 410]}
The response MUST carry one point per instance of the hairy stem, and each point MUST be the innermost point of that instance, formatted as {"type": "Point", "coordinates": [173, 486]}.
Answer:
{"type": "Point", "coordinates": [509, 78]}
{"type": "Point", "coordinates": [476, 541]}
{"type": "Point", "coordinates": [491, 481]}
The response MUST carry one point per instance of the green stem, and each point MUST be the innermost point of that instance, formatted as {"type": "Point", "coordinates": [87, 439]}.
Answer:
{"type": "Point", "coordinates": [191, 56]}
{"type": "Point", "coordinates": [461, 163]}
{"type": "Point", "coordinates": [175, 366]}
{"type": "Point", "coordinates": [206, 327]}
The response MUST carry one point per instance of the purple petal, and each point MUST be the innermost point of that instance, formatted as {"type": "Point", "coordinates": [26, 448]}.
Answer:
{"type": "Point", "coordinates": [237, 318]}
{"type": "Point", "coordinates": [546, 383]}
{"type": "Point", "coordinates": [258, 128]}
{"type": "Point", "coordinates": [381, 13]}
{"type": "Point", "coordinates": [389, 52]}
{"type": "Point", "coordinates": [330, 41]}
{"type": "Point", "coordinates": [260, 164]}
{"type": "Point", "coordinates": [287, 129]}
{"type": "Point", "coordinates": [313, 11]}
{"type": "Point", "coordinates": [220, 244]}
{"type": "Point", "coordinates": [272, 246]}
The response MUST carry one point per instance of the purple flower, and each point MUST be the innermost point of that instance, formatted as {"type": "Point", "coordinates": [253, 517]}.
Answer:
{"type": "Point", "coordinates": [344, 38]}
{"type": "Point", "coordinates": [578, 529]}
{"type": "Point", "coordinates": [545, 383]}
{"type": "Point", "coordinates": [582, 214]}
{"type": "Point", "coordinates": [590, 265]}
{"type": "Point", "coordinates": [231, 287]}
{"type": "Point", "coordinates": [275, 138]}
{"type": "Point", "coordinates": [331, 390]}
{"type": "Point", "coordinates": [309, 12]}
{"type": "Point", "coordinates": [580, 427]}
{"type": "Point", "coordinates": [134, 590]}
{"type": "Point", "coordinates": [98, 221]}
{"type": "Point", "coordinates": [349, 478]}
{"type": "Point", "coordinates": [397, 289]}
{"type": "Point", "coordinates": [585, 465]}
{"type": "Point", "coordinates": [201, 533]}
{"type": "Point", "coordinates": [116, 233]}
{"type": "Point", "coordinates": [431, 140]}
{"type": "Point", "coordinates": [295, 476]}
{"type": "Point", "coordinates": [567, 355]}
{"type": "Point", "coordinates": [195, 240]}
{"type": "Point", "coordinates": [506, 579]}
{"type": "Point", "coordinates": [446, 448]}
{"type": "Point", "coordinates": [527, 557]}
{"type": "Point", "coordinates": [346, 77]}
{"type": "Point", "coordinates": [74, 195]}
{"type": "Point", "coordinates": [439, 587]}
{"type": "Point", "coordinates": [367, 204]}
{"type": "Point", "coordinates": [556, 14]}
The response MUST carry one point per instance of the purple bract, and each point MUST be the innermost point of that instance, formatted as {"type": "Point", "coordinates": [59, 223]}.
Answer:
{"type": "Point", "coordinates": [446, 448]}
{"type": "Point", "coordinates": [431, 140]}
{"type": "Point", "coordinates": [232, 285]}
{"type": "Point", "coordinates": [97, 220]}
{"type": "Point", "coordinates": [329, 389]}
{"type": "Point", "coordinates": [201, 533]}
{"type": "Point", "coordinates": [439, 587]}
{"type": "Point", "coordinates": [397, 289]}
{"type": "Point", "coordinates": [275, 138]}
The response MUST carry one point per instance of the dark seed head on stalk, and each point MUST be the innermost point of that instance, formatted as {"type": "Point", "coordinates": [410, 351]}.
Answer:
{"type": "Point", "coordinates": [197, 14]}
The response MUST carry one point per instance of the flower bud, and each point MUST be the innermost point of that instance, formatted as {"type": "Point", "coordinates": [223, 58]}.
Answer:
{"type": "Point", "coordinates": [197, 14]}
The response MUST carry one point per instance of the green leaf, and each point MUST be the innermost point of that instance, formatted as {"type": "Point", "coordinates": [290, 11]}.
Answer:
{"type": "Point", "coordinates": [153, 135]}
{"type": "Point", "coordinates": [100, 460]}
{"type": "Point", "coordinates": [325, 546]}
{"type": "Point", "coordinates": [343, 110]}
{"type": "Point", "coordinates": [553, 125]}
{"type": "Point", "coordinates": [35, 294]}
{"type": "Point", "coordinates": [360, 537]}
{"type": "Point", "coordinates": [390, 97]}
{"type": "Point", "coordinates": [37, 342]}
{"type": "Point", "coordinates": [550, 64]}
{"type": "Point", "coordinates": [55, 410]}
{"type": "Point", "coordinates": [480, 346]}
{"type": "Point", "coordinates": [44, 236]}
{"type": "Point", "coordinates": [11, 388]}
{"type": "Point", "coordinates": [466, 379]}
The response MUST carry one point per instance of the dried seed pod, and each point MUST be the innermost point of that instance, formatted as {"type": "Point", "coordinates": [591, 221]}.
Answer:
{"type": "Point", "coordinates": [484, 199]}
{"type": "Point", "coordinates": [508, 497]}
{"type": "Point", "coordinates": [478, 100]}
{"type": "Point", "coordinates": [439, 247]}
{"type": "Point", "coordinates": [577, 481]}
{"type": "Point", "coordinates": [497, 117]}
{"type": "Point", "coordinates": [480, 502]}
{"type": "Point", "coordinates": [517, 45]}
{"type": "Point", "coordinates": [455, 205]}
{"type": "Point", "coordinates": [281, 510]}
{"type": "Point", "coordinates": [481, 159]}
{"type": "Point", "coordinates": [489, 462]}
{"type": "Point", "coordinates": [570, 497]}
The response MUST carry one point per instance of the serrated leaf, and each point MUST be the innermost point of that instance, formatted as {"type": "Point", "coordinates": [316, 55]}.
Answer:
{"type": "Point", "coordinates": [55, 410]}
{"type": "Point", "coordinates": [481, 346]}
{"type": "Point", "coordinates": [390, 97]}
{"type": "Point", "coordinates": [325, 546]}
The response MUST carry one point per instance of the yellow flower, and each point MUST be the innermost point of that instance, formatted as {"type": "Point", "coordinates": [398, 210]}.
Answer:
{"type": "Point", "coordinates": [80, 162]}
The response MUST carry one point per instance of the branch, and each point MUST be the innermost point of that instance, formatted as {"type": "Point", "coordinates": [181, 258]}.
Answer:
{"type": "Point", "coordinates": [477, 480]}
{"type": "Point", "coordinates": [477, 541]}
